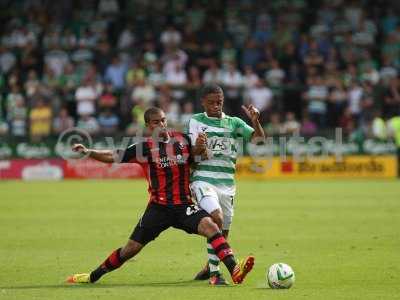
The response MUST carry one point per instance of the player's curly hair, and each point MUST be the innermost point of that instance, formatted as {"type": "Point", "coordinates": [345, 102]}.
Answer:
{"type": "Point", "coordinates": [209, 89]}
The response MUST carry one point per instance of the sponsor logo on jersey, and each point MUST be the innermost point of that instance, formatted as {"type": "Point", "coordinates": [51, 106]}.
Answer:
{"type": "Point", "coordinates": [169, 161]}
{"type": "Point", "coordinates": [220, 145]}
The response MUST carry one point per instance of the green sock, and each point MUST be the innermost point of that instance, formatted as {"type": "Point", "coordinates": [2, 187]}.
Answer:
{"type": "Point", "coordinates": [213, 260]}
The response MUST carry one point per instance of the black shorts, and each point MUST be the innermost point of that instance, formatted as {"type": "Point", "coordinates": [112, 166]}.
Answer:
{"type": "Point", "coordinates": [158, 218]}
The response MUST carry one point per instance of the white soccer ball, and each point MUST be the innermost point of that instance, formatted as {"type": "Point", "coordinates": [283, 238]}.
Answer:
{"type": "Point", "coordinates": [280, 276]}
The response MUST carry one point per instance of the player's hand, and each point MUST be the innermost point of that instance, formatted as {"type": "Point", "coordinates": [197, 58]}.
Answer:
{"type": "Point", "coordinates": [201, 141]}
{"type": "Point", "coordinates": [252, 112]}
{"type": "Point", "coordinates": [80, 149]}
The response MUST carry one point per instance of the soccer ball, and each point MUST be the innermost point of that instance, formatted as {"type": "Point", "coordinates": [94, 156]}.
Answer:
{"type": "Point", "coordinates": [280, 276]}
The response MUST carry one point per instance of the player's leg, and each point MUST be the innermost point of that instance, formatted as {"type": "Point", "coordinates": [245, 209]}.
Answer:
{"type": "Point", "coordinates": [210, 205]}
{"type": "Point", "coordinates": [244, 266]}
{"type": "Point", "coordinates": [111, 263]}
{"type": "Point", "coordinates": [116, 259]}
{"type": "Point", "coordinates": [153, 222]}
{"type": "Point", "coordinates": [224, 221]}
{"type": "Point", "coordinates": [226, 202]}
{"type": "Point", "coordinates": [225, 233]}
{"type": "Point", "coordinates": [238, 270]}
{"type": "Point", "coordinates": [207, 199]}
{"type": "Point", "coordinates": [212, 267]}
{"type": "Point", "coordinates": [196, 220]}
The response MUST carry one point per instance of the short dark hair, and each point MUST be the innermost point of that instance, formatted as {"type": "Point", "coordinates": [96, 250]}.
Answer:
{"type": "Point", "coordinates": [209, 89]}
{"type": "Point", "coordinates": [151, 111]}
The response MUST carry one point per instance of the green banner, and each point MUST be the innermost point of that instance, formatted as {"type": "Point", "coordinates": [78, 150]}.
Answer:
{"type": "Point", "coordinates": [274, 147]}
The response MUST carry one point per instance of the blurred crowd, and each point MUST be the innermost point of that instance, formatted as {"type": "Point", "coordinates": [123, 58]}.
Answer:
{"type": "Point", "coordinates": [308, 66]}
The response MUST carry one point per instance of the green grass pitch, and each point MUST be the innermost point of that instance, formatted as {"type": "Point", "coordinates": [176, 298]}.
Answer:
{"type": "Point", "coordinates": [342, 239]}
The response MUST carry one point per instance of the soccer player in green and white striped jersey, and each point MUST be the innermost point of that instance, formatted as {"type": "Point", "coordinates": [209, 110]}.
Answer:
{"type": "Point", "coordinates": [212, 180]}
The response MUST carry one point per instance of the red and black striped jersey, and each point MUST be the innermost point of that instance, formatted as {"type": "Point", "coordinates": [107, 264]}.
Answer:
{"type": "Point", "coordinates": [166, 166]}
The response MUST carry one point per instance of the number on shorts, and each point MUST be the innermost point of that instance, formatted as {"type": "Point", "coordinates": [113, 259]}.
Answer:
{"type": "Point", "coordinates": [190, 210]}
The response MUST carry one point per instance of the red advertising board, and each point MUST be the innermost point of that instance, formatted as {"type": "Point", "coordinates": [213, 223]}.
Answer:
{"type": "Point", "coordinates": [89, 168]}
{"type": "Point", "coordinates": [56, 169]}
{"type": "Point", "coordinates": [32, 169]}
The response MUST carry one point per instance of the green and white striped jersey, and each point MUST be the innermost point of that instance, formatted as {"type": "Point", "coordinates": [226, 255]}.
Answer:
{"type": "Point", "coordinates": [226, 137]}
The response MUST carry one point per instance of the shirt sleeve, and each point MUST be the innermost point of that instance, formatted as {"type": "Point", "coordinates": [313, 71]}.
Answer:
{"type": "Point", "coordinates": [192, 131]}
{"type": "Point", "coordinates": [188, 141]}
{"type": "Point", "coordinates": [243, 130]}
{"type": "Point", "coordinates": [132, 154]}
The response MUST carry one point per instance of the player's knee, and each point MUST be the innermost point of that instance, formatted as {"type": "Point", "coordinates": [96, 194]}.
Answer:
{"type": "Point", "coordinates": [218, 217]}
{"type": "Point", "coordinates": [130, 249]}
{"type": "Point", "coordinates": [207, 227]}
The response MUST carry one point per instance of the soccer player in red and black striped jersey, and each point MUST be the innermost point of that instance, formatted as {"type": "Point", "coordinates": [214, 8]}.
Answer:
{"type": "Point", "coordinates": [165, 157]}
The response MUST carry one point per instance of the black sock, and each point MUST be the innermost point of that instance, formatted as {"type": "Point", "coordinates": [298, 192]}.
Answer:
{"type": "Point", "coordinates": [223, 251]}
{"type": "Point", "coordinates": [96, 274]}
{"type": "Point", "coordinates": [114, 261]}
{"type": "Point", "coordinates": [230, 263]}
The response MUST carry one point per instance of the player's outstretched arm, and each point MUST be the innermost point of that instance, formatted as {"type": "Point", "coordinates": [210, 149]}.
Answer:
{"type": "Point", "coordinates": [254, 114]}
{"type": "Point", "coordinates": [106, 156]}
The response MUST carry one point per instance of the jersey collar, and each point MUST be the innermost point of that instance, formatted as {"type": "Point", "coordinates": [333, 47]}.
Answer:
{"type": "Point", "coordinates": [222, 116]}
